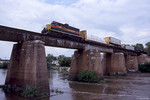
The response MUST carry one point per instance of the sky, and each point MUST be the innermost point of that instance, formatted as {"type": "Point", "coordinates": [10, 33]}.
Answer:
{"type": "Point", "coordinates": [127, 20]}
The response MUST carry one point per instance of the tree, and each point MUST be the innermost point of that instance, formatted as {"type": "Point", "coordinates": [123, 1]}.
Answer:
{"type": "Point", "coordinates": [66, 61]}
{"type": "Point", "coordinates": [4, 65]}
{"type": "Point", "coordinates": [148, 47]}
{"type": "Point", "coordinates": [61, 57]}
{"type": "Point", "coordinates": [139, 47]}
{"type": "Point", "coordinates": [49, 59]}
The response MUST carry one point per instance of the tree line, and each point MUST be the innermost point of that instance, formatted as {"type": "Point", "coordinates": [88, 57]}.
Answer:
{"type": "Point", "coordinates": [62, 60]}
{"type": "Point", "coordinates": [140, 47]}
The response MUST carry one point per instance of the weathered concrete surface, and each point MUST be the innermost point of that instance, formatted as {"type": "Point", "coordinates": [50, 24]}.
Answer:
{"type": "Point", "coordinates": [115, 64]}
{"type": "Point", "coordinates": [28, 66]}
{"type": "Point", "coordinates": [143, 59]}
{"type": "Point", "coordinates": [86, 60]}
{"type": "Point", "coordinates": [102, 49]}
{"type": "Point", "coordinates": [131, 62]}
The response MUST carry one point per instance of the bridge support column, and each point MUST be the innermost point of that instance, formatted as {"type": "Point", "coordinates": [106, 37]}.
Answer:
{"type": "Point", "coordinates": [86, 60]}
{"type": "Point", "coordinates": [27, 67]}
{"type": "Point", "coordinates": [143, 59]}
{"type": "Point", "coordinates": [115, 63]}
{"type": "Point", "coordinates": [131, 62]}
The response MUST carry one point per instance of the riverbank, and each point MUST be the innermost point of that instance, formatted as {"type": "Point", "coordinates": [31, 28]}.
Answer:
{"type": "Point", "coordinates": [60, 68]}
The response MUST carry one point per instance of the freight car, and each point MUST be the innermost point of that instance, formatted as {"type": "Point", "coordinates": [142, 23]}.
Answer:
{"type": "Point", "coordinates": [112, 41]}
{"type": "Point", "coordinates": [95, 39]}
{"type": "Point", "coordinates": [129, 47]}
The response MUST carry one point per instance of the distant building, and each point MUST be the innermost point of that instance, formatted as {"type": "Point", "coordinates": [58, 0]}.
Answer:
{"type": "Point", "coordinates": [55, 62]}
{"type": "Point", "coordinates": [3, 60]}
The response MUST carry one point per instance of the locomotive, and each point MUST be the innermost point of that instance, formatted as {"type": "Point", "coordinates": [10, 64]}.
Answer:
{"type": "Point", "coordinates": [57, 29]}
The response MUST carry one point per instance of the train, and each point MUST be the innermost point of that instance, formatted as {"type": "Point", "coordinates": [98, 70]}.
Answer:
{"type": "Point", "coordinates": [68, 32]}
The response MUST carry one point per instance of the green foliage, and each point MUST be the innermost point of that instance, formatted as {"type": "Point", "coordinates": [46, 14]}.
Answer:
{"type": "Point", "coordinates": [55, 68]}
{"type": "Point", "coordinates": [148, 48]}
{"type": "Point", "coordinates": [139, 47]}
{"type": "Point", "coordinates": [19, 90]}
{"type": "Point", "coordinates": [66, 61]}
{"type": "Point", "coordinates": [30, 91]}
{"type": "Point", "coordinates": [7, 88]}
{"type": "Point", "coordinates": [49, 59]}
{"type": "Point", "coordinates": [4, 65]}
{"type": "Point", "coordinates": [87, 76]}
{"type": "Point", "coordinates": [61, 57]}
{"type": "Point", "coordinates": [58, 67]}
{"type": "Point", "coordinates": [144, 67]}
{"type": "Point", "coordinates": [63, 61]}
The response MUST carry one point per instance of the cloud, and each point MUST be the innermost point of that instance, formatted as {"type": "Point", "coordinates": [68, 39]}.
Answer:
{"type": "Point", "coordinates": [59, 51]}
{"type": "Point", "coordinates": [5, 49]}
{"type": "Point", "coordinates": [127, 20]}
{"type": "Point", "coordinates": [132, 35]}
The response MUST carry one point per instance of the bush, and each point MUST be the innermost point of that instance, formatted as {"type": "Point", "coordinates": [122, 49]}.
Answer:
{"type": "Point", "coordinates": [30, 91]}
{"type": "Point", "coordinates": [87, 76]}
{"type": "Point", "coordinates": [4, 65]}
{"type": "Point", "coordinates": [144, 67]}
{"type": "Point", "coordinates": [7, 88]}
{"type": "Point", "coordinates": [66, 61]}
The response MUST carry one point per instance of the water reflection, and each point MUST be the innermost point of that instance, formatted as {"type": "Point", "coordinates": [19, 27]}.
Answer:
{"type": "Point", "coordinates": [3, 73]}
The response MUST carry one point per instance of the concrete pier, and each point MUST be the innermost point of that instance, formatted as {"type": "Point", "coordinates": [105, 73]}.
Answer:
{"type": "Point", "coordinates": [28, 66]}
{"type": "Point", "coordinates": [86, 60]}
{"type": "Point", "coordinates": [143, 59]}
{"type": "Point", "coordinates": [115, 63]}
{"type": "Point", "coordinates": [131, 62]}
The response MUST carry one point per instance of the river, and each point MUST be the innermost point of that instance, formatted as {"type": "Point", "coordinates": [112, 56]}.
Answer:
{"type": "Point", "coordinates": [134, 86]}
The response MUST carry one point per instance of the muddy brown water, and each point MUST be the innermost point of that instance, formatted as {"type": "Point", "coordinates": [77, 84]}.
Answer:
{"type": "Point", "coordinates": [135, 86]}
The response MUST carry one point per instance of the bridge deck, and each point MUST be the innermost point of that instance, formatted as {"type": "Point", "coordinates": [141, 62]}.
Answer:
{"type": "Point", "coordinates": [19, 35]}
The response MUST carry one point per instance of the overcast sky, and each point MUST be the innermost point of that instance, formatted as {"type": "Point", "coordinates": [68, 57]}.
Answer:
{"type": "Point", "coordinates": [128, 20]}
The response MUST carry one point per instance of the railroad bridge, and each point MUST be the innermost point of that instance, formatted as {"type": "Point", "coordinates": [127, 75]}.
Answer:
{"type": "Point", "coordinates": [28, 62]}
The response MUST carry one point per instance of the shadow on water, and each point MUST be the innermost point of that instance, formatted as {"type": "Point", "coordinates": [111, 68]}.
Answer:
{"type": "Point", "coordinates": [132, 87]}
